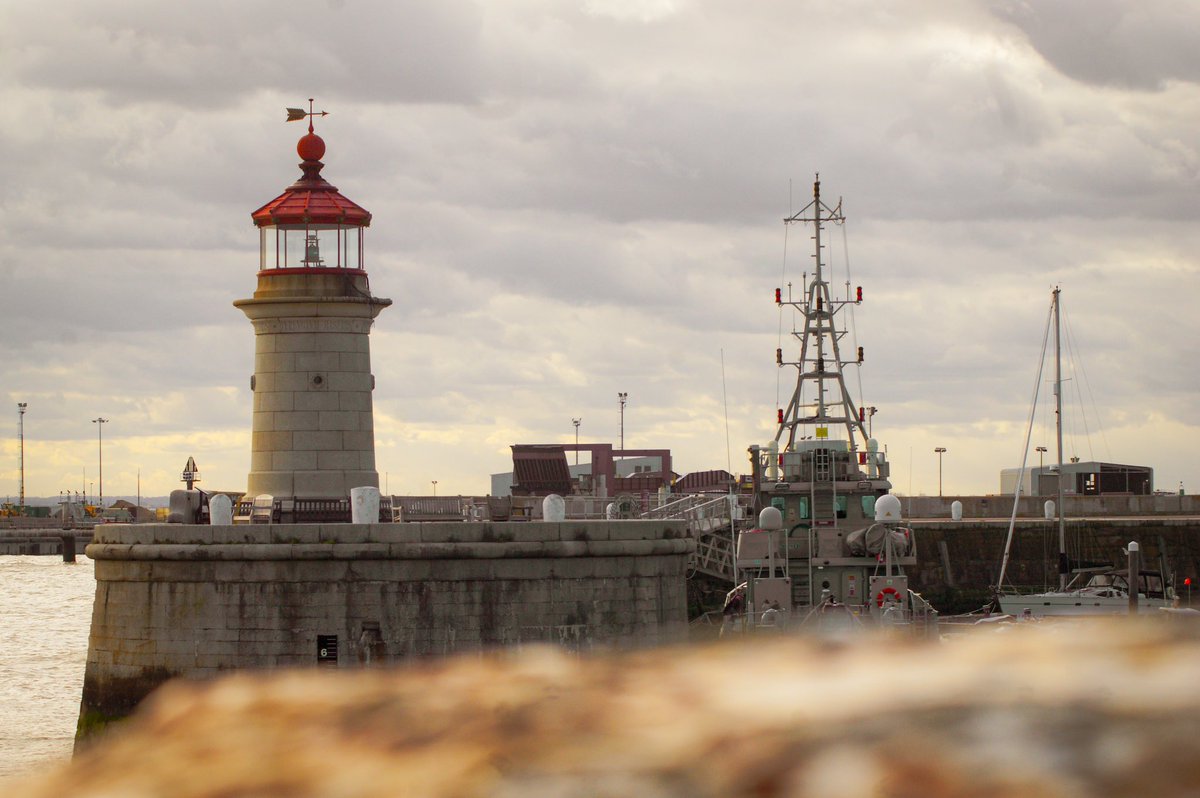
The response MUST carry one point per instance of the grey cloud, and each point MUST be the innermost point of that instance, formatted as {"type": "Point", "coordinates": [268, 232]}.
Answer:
{"type": "Point", "coordinates": [214, 53]}
{"type": "Point", "coordinates": [1112, 42]}
{"type": "Point", "coordinates": [570, 207]}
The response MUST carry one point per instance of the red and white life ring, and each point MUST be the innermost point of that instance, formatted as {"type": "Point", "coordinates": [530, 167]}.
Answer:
{"type": "Point", "coordinates": [895, 594]}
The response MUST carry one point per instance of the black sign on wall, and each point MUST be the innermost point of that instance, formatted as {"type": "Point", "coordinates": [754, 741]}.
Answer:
{"type": "Point", "coordinates": [327, 650]}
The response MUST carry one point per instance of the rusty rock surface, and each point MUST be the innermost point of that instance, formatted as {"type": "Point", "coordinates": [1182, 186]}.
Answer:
{"type": "Point", "coordinates": [1099, 708]}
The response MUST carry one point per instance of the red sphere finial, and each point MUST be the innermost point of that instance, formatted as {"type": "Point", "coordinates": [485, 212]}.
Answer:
{"type": "Point", "coordinates": [311, 147]}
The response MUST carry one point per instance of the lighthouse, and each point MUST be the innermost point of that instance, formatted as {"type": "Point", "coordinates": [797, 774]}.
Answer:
{"type": "Point", "coordinates": [312, 311]}
{"type": "Point", "coordinates": [201, 597]}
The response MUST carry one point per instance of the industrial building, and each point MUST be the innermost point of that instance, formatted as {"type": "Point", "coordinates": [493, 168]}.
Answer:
{"type": "Point", "coordinates": [540, 469]}
{"type": "Point", "coordinates": [1088, 478]}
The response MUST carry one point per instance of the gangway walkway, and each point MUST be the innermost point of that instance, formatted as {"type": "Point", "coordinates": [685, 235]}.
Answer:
{"type": "Point", "coordinates": [712, 521]}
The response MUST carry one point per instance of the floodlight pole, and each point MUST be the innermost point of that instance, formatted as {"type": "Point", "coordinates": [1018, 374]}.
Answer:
{"type": "Point", "coordinates": [576, 421]}
{"type": "Point", "coordinates": [21, 434]}
{"type": "Point", "coordinates": [622, 397]}
{"type": "Point", "coordinates": [940, 450]}
{"type": "Point", "coordinates": [1041, 450]}
{"type": "Point", "coordinates": [100, 422]}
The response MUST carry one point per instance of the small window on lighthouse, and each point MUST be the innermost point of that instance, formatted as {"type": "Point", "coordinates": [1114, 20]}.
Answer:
{"type": "Point", "coordinates": [315, 247]}
{"type": "Point", "coordinates": [311, 247]}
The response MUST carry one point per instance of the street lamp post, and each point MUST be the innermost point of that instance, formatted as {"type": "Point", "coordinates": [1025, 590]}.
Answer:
{"type": "Point", "coordinates": [100, 422]}
{"type": "Point", "coordinates": [1041, 450]}
{"type": "Point", "coordinates": [21, 434]}
{"type": "Point", "coordinates": [622, 397]}
{"type": "Point", "coordinates": [434, 487]}
{"type": "Point", "coordinates": [940, 450]}
{"type": "Point", "coordinates": [576, 421]}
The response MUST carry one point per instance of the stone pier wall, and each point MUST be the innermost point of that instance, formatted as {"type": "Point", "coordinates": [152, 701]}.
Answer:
{"type": "Point", "coordinates": [967, 554]}
{"type": "Point", "coordinates": [193, 601]}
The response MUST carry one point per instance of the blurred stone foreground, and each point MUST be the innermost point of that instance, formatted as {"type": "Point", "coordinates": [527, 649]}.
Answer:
{"type": "Point", "coordinates": [1095, 708]}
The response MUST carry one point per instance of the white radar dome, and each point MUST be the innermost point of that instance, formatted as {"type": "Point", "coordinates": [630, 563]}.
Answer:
{"type": "Point", "coordinates": [887, 508]}
{"type": "Point", "coordinates": [770, 518]}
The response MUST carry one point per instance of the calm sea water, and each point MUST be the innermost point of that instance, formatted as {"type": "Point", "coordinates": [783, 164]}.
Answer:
{"type": "Point", "coordinates": [45, 612]}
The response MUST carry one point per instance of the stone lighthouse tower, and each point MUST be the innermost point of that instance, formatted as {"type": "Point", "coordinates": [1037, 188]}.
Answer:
{"type": "Point", "coordinates": [313, 430]}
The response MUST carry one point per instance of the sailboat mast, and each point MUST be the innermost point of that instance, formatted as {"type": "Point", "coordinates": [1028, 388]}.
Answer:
{"type": "Point", "coordinates": [1063, 562]}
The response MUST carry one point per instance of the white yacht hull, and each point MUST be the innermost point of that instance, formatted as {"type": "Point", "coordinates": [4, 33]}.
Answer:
{"type": "Point", "coordinates": [1075, 604]}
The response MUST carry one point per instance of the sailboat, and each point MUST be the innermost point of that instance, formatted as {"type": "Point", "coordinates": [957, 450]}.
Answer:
{"type": "Point", "coordinates": [1101, 590]}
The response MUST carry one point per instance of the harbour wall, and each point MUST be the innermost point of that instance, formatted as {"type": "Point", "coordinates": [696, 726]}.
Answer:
{"type": "Point", "coordinates": [958, 555]}
{"type": "Point", "coordinates": [193, 601]}
{"type": "Point", "coordinates": [1111, 505]}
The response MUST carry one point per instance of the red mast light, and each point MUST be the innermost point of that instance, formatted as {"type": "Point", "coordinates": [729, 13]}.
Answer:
{"type": "Point", "coordinates": [778, 296]}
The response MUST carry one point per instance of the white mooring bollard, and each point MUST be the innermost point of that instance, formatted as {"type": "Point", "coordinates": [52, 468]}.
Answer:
{"type": "Point", "coordinates": [220, 510]}
{"type": "Point", "coordinates": [554, 509]}
{"type": "Point", "coordinates": [364, 505]}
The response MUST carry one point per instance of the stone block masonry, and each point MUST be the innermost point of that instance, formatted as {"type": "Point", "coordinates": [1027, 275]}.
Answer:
{"type": "Point", "coordinates": [313, 424]}
{"type": "Point", "coordinates": [967, 554]}
{"type": "Point", "coordinates": [192, 601]}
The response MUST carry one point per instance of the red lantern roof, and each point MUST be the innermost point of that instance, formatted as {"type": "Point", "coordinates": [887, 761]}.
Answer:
{"type": "Point", "coordinates": [311, 200]}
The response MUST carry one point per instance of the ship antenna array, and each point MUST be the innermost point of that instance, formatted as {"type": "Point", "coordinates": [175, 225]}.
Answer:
{"type": "Point", "coordinates": [820, 360]}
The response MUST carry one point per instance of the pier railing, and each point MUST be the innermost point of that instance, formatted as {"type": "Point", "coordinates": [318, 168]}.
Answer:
{"type": "Point", "coordinates": [304, 511]}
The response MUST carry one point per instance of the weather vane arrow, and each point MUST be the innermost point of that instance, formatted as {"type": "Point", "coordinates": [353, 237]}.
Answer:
{"type": "Point", "coordinates": [296, 114]}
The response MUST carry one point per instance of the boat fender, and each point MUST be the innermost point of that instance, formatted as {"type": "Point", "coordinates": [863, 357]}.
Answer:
{"type": "Point", "coordinates": [882, 593]}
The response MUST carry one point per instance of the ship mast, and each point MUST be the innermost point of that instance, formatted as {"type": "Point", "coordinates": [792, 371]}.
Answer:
{"type": "Point", "coordinates": [820, 364]}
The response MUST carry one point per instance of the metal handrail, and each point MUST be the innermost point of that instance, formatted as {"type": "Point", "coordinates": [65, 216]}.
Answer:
{"type": "Point", "coordinates": [686, 502]}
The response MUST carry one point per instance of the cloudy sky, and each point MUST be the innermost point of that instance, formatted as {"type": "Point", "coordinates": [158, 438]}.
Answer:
{"type": "Point", "coordinates": [573, 199]}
